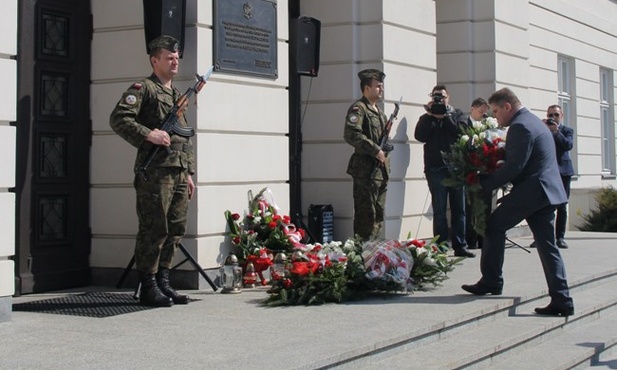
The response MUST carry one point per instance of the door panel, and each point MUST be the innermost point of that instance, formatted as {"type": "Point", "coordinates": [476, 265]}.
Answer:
{"type": "Point", "coordinates": [54, 135]}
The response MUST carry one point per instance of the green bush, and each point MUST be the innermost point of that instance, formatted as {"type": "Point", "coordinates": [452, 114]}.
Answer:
{"type": "Point", "coordinates": [604, 218]}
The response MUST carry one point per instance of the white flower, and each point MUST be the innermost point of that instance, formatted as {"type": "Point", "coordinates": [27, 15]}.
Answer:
{"type": "Point", "coordinates": [494, 135]}
{"type": "Point", "coordinates": [482, 135]}
{"type": "Point", "coordinates": [421, 251]}
{"type": "Point", "coordinates": [349, 244]}
{"type": "Point", "coordinates": [333, 244]}
{"type": "Point", "coordinates": [430, 262]}
{"type": "Point", "coordinates": [491, 122]}
{"type": "Point", "coordinates": [477, 125]}
{"type": "Point", "coordinates": [464, 139]}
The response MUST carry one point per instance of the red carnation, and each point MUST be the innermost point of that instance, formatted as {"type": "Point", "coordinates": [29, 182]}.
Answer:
{"type": "Point", "coordinates": [471, 178]}
{"type": "Point", "coordinates": [235, 216]}
{"type": "Point", "coordinates": [287, 283]}
{"type": "Point", "coordinates": [272, 225]}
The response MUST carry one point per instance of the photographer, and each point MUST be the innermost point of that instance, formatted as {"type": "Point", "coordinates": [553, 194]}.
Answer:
{"type": "Point", "coordinates": [438, 129]}
{"type": "Point", "coordinates": [564, 140]}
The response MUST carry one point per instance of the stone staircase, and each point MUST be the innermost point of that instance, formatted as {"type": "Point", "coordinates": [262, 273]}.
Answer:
{"type": "Point", "coordinates": [511, 336]}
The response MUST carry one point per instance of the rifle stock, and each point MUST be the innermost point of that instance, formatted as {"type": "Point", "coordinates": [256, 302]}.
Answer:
{"type": "Point", "coordinates": [384, 141]}
{"type": "Point", "coordinates": [170, 122]}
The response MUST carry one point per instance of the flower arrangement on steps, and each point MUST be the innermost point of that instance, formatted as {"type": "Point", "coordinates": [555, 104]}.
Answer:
{"type": "Point", "coordinates": [330, 272]}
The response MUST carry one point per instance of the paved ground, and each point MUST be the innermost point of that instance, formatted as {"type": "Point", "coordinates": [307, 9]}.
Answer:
{"type": "Point", "coordinates": [234, 331]}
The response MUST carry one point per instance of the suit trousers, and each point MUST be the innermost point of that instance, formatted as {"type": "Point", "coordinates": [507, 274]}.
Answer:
{"type": "Point", "coordinates": [540, 218]}
{"type": "Point", "coordinates": [561, 220]}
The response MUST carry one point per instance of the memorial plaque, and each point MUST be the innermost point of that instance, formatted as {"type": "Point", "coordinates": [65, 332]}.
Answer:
{"type": "Point", "coordinates": [245, 37]}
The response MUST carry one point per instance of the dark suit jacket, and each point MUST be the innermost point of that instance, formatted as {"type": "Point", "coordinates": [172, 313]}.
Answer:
{"type": "Point", "coordinates": [530, 165]}
{"type": "Point", "coordinates": [564, 140]}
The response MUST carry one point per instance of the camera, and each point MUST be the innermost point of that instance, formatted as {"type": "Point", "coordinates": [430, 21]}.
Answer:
{"type": "Point", "coordinates": [550, 122]}
{"type": "Point", "coordinates": [439, 104]}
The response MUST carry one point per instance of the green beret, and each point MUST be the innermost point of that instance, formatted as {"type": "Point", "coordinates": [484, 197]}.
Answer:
{"type": "Point", "coordinates": [374, 74]}
{"type": "Point", "coordinates": [164, 42]}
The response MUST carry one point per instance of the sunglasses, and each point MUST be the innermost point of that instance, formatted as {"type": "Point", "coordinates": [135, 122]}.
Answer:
{"type": "Point", "coordinates": [551, 115]}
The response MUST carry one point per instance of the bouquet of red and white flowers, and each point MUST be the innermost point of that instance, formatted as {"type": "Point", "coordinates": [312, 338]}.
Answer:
{"type": "Point", "coordinates": [388, 260]}
{"type": "Point", "coordinates": [262, 232]}
{"type": "Point", "coordinates": [479, 150]}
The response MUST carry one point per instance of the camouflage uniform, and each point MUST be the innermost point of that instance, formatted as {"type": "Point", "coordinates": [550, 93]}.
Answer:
{"type": "Point", "coordinates": [162, 195]}
{"type": "Point", "coordinates": [364, 127]}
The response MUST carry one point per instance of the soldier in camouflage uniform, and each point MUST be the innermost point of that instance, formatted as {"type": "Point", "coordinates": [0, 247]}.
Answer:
{"type": "Point", "coordinates": [369, 166]}
{"type": "Point", "coordinates": [164, 192]}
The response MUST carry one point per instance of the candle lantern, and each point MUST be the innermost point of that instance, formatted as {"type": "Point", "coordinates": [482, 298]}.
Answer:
{"type": "Point", "coordinates": [231, 275]}
{"type": "Point", "coordinates": [250, 277]}
{"type": "Point", "coordinates": [278, 268]}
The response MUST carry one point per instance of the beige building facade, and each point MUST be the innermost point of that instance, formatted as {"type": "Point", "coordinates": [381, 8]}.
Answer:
{"type": "Point", "coordinates": [547, 51]}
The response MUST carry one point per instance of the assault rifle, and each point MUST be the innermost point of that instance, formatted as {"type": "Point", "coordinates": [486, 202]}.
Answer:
{"type": "Point", "coordinates": [384, 140]}
{"type": "Point", "coordinates": [170, 122]}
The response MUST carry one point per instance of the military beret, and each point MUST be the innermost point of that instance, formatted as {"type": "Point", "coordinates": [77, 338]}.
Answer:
{"type": "Point", "coordinates": [164, 42]}
{"type": "Point", "coordinates": [374, 74]}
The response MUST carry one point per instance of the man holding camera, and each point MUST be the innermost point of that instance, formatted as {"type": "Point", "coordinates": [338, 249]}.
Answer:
{"type": "Point", "coordinates": [564, 140]}
{"type": "Point", "coordinates": [438, 129]}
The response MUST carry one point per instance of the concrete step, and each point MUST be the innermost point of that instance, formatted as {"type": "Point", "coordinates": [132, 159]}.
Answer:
{"type": "Point", "coordinates": [605, 360]}
{"type": "Point", "coordinates": [493, 335]}
{"type": "Point", "coordinates": [571, 348]}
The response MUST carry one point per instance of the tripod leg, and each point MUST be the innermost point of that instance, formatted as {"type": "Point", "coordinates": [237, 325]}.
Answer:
{"type": "Point", "coordinates": [514, 244]}
{"type": "Point", "coordinates": [197, 267]}
{"type": "Point", "coordinates": [137, 291]}
{"type": "Point", "coordinates": [125, 273]}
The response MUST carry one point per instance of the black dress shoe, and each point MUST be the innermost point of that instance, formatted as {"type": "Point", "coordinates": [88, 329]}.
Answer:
{"type": "Point", "coordinates": [561, 243]}
{"type": "Point", "coordinates": [480, 289]}
{"type": "Point", "coordinates": [463, 252]}
{"type": "Point", "coordinates": [555, 311]}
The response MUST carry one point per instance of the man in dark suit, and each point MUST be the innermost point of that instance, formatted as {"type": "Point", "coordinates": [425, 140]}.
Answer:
{"type": "Point", "coordinates": [536, 192]}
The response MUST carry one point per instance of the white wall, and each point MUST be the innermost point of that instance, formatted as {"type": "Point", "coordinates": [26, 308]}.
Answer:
{"type": "Point", "coordinates": [8, 114]}
{"type": "Point", "coordinates": [588, 35]}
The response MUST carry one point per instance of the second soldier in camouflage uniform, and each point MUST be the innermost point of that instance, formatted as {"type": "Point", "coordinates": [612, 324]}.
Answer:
{"type": "Point", "coordinates": [369, 166]}
{"type": "Point", "coordinates": [164, 192]}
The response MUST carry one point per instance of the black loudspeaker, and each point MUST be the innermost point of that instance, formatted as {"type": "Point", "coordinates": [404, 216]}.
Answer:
{"type": "Point", "coordinates": [164, 17]}
{"type": "Point", "coordinates": [306, 32]}
{"type": "Point", "coordinates": [321, 222]}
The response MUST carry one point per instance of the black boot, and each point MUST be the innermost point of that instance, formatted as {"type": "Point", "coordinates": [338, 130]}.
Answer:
{"type": "Point", "coordinates": [162, 278]}
{"type": "Point", "coordinates": [150, 294]}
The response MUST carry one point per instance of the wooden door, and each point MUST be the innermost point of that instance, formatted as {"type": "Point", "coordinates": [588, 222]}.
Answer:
{"type": "Point", "coordinates": [53, 149]}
